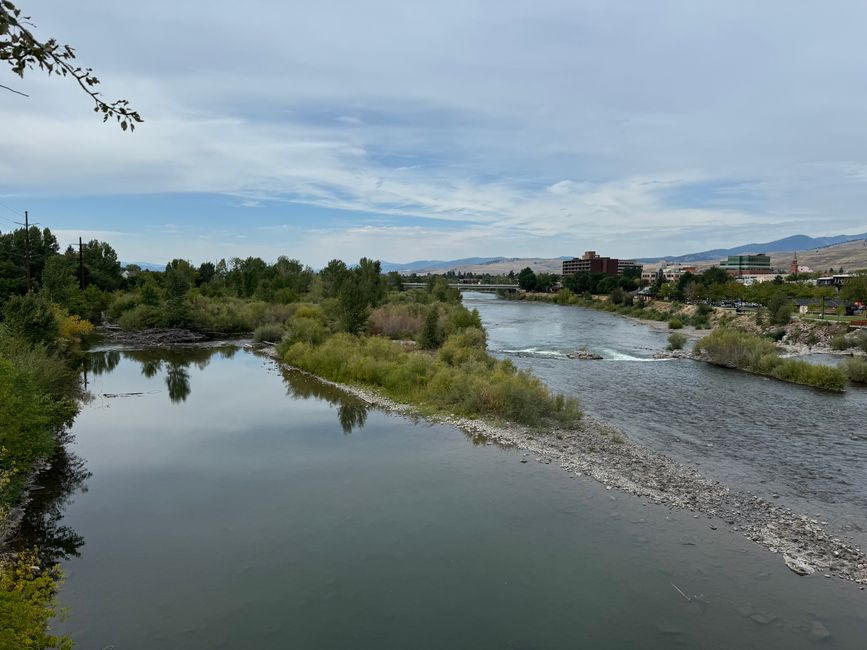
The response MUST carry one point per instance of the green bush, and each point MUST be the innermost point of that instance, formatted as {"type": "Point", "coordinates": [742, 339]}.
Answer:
{"type": "Point", "coordinates": [856, 369]}
{"type": "Point", "coordinates": [270, 333]}
{"type": "Point", "coordinates": [675, 324]}
{"type": "Point", "coordinates": [31, 319]}
{"type": "Point", "coordinates": [737, 349]}
{"type": "Point", "coordinates": [462, 378]}
{"type": "Point", "coordinates": [676, 341]}
{"type": "Point", "coordinates": [840, 342]}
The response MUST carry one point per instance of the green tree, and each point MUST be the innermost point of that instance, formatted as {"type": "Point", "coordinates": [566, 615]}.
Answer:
{"type": "Point", "coordinates": [779, 309]}
{"type": "Point", "coordinates": [30, 319]}
{"type": "Point", "coordinates": [527, 279]}
{"type": "Point", "coordinates": [179, 278]}
{"type": "Point", "coordinates": [58, 280]}
{"type": "Point", "coordinates": [332, 277]}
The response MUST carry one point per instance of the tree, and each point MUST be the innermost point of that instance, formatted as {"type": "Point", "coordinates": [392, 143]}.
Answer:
{"type": "Point", "coordinates": [20, 48]}
{"type": "Point", "coordinates": [527, 279]}
{"type": "Point", "coordinates": [779, 309]}
{"type": "Point", "coordinates": [178, 281]}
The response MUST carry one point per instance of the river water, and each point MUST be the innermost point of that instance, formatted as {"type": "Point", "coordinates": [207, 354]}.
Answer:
{"type": "Point", "coordinates": [210, 500]}
{"type": "Point", "coordinates": [804, 447]}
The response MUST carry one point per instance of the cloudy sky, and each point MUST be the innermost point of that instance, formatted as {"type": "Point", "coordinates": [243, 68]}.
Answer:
{"type": "Point", "coordinates": [434, 130]}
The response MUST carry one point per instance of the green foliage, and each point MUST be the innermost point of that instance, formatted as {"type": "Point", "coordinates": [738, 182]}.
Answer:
{"type": "Point", "coordinates": [675, 324]}
{"type": "Point", "coordinates": [461, 379]}
{"type": "Point", "coordinates": [178, 280]}
{"type": "Point", "coordinates": [431, 335]}
{"type": "Point", "coordinates": [737, 349]}
{"type": "Point", "coordinates": [856, 369]}
{"type": "Point", "coordinates": [840, 342]}
{"type": "Point", "coordinates": [269, 333]}
{"type": "Point", "coordinates": [779, 309]}
{"type": "Point", "coordinates": [31, 319]}
{"type": "Point", "coordinates": [27, 604]}
{"type": "Point", "coordinates": [676, 341]}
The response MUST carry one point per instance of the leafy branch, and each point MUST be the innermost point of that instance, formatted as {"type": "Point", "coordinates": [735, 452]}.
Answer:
{"type": "Point", "coordinates": [23, 51]}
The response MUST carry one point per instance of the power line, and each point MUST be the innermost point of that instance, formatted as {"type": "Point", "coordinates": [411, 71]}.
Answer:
{"type": "Point", "coordinates": [17, 213]}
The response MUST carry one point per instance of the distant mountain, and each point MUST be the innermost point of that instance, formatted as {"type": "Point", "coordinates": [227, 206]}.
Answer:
{"type": "Point", "coordinates": [424, 265]}
{"type": "Point", "coordinates": [145, 266]}
{"type": "Point", "coordinates": [787, 244]}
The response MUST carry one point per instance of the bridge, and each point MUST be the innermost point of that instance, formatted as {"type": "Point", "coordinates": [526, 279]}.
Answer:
{"type": "Point", "coordinates": [460, 286]}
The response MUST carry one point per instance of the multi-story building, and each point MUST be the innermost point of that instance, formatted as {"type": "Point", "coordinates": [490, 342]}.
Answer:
{"type": "Point", "coordinates": [671, 273]}
{"type": "Point", "coordinates": [590, 262]}
{"type": "Point", "coordinates": [747, 264]}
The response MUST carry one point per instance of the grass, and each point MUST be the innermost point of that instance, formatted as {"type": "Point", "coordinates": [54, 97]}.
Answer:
{"type": "Point", "coordinates": [461, 378]}
{"type": "Point", "coordinates": [737, 349]}
{"type": "Point", "coordinates": [856, 369]}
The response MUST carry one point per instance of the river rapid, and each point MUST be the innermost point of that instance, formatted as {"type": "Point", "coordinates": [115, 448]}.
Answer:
{"type": "Point", "coordinates": [213, 500]}
{"type": "Point", "coordinates": [800, 446]}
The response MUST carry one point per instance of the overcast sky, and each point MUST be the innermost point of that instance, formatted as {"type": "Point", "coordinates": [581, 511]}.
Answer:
{"type": "Point", "coordinates": [435, 130]}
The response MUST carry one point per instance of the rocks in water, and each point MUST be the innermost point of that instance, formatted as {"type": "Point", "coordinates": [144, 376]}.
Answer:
{"type": "Point", "coordinates": [585, 355]}
{"type": "Point", "coordinates": [798, 565]}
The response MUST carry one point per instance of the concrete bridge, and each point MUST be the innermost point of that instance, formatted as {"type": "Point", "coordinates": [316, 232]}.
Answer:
{"type": "Point", "coordinates": [460, 286]}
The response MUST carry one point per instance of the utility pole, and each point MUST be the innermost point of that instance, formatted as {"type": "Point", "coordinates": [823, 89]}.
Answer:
{"type": "Point", "coordinates": [80, 265]}
{"type": "Point", "coordinates": [27, 250]}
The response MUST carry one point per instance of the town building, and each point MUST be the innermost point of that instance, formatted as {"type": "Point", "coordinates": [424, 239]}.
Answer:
{"type": "Point", "coordinates": [590, 262]}
{"type": "Point", "coordinates": [671, 273]}
{"type": "Point", "coordinates": [738, 265]}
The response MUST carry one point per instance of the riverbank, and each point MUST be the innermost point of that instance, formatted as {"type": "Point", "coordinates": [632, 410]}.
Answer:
{"type": "Point", "coordinates": [592, 449]}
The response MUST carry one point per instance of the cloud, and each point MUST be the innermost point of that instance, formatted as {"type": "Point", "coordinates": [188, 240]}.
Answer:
{"type": "Point", "coordinates": [542, 129]}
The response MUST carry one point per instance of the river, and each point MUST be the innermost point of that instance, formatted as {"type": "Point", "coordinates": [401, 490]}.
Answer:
{"type": "Point", "coordinates": [804, 447]}
{"type": "Point", "coordinates": [210, 500]}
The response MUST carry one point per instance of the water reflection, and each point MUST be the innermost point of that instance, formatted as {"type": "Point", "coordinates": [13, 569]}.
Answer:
{"type": "Point", "coordinates": [174, 362]}
{"type": "Point", "coordinates": [351, 411]}
{"type": "Point", "coordinates": [40, 525]}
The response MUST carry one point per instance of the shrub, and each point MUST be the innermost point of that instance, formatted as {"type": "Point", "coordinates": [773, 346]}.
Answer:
{"type": "Point", "coordinates": [675, 324]}
{"type": "Point", "coordinates": [840, 342]}
{"type": "Point", "coordinates": [270, 333]}
{"type": "Point", "coordinates": [462, 378]}
{"type": "Point", "coordinates": [676, 341]}
{"type": "Point", "coordinates": [31, 319]}
{"type": "Point", "coordinates": [737, 349]}
{"type": "Point", "coordinates": [140, 317]}
{"type": "Point", "coordinates": [856, 369]}
{"type": "Point", "coordinates": [27, 603]}
{"type": "Point", "coordinates": [73, 328]}
{"type": "Point", "coordinates": [396, 321]}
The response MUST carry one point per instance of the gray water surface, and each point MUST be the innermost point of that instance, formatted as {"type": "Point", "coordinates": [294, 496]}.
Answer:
{"type": "Point", "coordinates": [231, 506]}
{"type": "Point", "coordinates": [804, 447]}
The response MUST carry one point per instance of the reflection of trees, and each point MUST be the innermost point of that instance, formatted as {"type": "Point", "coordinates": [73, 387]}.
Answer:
{"type": "Point", "coordinates": [40, 525]}
{"type": "Point", "coordinates": [178, 382]}
{"type": "Point", "coordinates": [99, 363]}
{"type": "Point", "coordinates": [351, 411]}
{"type": "Point", "coordinates": [352, 415]}
{"type": "Point", "coordinates": [175, 362]}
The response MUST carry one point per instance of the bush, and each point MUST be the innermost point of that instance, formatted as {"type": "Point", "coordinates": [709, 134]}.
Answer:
{"type": "Point", "coordinates": [675, 324]}
{"type": "Point", "coordinates": [31, 319]}
{"type": "Point", "coordinates": [73, 328]}
{"type": "Point", "coordinates": [270, 333]}
{"type": "Point", "coordinates": [856, 369]}
{"type": "Point", "coordinates": [462, 378]}
{"type": "Point", "coordinates": [736, 349]}
{"type": "Point", "coordinates": [840, 342]}
{"type": "Point", "coordinates": [676, 341]}
{"type": "Point", "coordinates": [27, 603]}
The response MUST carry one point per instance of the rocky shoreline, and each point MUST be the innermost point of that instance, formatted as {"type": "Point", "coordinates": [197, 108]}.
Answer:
{"type": "Point", "coordinates": [604, 454]}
